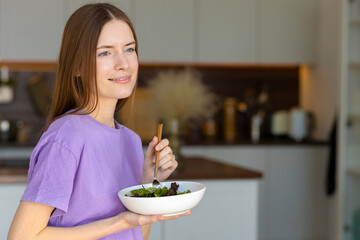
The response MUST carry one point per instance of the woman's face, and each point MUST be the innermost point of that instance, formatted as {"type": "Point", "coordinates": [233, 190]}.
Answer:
{"type": "Point", "coordinates": [116, 61]}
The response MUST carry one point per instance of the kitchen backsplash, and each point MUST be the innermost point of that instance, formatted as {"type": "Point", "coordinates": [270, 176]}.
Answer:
{"type": "Point", "coordinates": [254, 88]}
{"type": "Point", "coordinates": [246, 84]}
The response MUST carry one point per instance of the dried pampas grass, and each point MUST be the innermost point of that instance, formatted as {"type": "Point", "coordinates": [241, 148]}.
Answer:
{"type": "Point", "coordinates": [181, 95]}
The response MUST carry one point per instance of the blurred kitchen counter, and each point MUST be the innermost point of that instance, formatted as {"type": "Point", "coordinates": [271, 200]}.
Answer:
{"type": "Point", "coordinates": [219, 159]}
{"type": "Point", "coordinates": [190, 168]}
{"type": "Point", "coordinates": [262, 142]}
{"type": "Point", "coordinates": [13, 175]}
{"type": "Point", "coordinates": [201, 142]}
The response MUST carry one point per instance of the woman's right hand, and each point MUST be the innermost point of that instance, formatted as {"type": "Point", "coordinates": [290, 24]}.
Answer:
{"type": "Point", "coordinates": [132, 219]}
{"type": "Point", "coordinates": [31, 219]}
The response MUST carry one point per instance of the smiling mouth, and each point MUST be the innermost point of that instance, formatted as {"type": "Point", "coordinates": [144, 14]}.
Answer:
{"type": "Point", "coordinates": [124, 79]}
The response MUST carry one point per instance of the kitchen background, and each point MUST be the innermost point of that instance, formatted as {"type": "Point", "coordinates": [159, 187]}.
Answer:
{"type": "Point", "coordinates": [302, 54]}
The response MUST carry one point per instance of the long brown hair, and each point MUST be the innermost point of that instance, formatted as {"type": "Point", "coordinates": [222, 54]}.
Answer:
{"type": "Point", "coordinates": [76, 70]}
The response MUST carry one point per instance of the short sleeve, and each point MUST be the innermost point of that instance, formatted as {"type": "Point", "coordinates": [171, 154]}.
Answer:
{"type": "Point", "coordinates": [51, 176]}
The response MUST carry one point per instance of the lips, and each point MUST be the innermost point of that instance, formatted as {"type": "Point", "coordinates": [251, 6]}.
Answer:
{"type": "Point", "coordinates": [124, 79]}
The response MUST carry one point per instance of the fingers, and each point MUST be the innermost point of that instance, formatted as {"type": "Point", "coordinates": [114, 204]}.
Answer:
{"type": "Point", "coordinates": [150, 150]}
{"type": "Point", "coordinates": [145, 220]}
{"type": "Point", "coordinates": [155, 146]}
{"type": "Point", "coordinates": [168, 162]}
{"type": "Point", "coordinates": [164, 218]}
{"type": "Point", "coordinates": [153, 142]}
{"type": "Point", "coordinates": [134, 219]}
{"type": "Point", "coordinates": [165, 151]}
{"type": "Point", "coordinates": [162, 144]}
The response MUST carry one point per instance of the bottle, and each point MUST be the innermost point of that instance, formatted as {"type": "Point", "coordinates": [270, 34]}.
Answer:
{"type": "Point", "coordinates": [229, 119]}
{"type": "Point", "coordinates": [210, 129]}
{"type": "Point", "coordinates": [256, 122]}
{"type": "Point", "coordinates": [242, 121]}
{"type": "Point", "coordinates": [6, 91]}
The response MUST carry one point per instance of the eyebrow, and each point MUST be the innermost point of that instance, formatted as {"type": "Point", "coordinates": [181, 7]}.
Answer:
{"type": "Point", "coordinates": [110, 46]}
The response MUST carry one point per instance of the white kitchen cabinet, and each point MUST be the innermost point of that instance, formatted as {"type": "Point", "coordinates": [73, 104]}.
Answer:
{"type": "Point", "coordinates": [30, 30]}
{"type": "Point", "coordinates": [287, 31]}
{"type": "Point", "coordinates": [165, 30]}
{"type": "Point", "coordinates": [228, 210]}
{"type": "Point", "coordinates": [72, 5]}
{"type": "Point", "coordinates": [295, 193]}
{"type": "Point", "coordinates": [292, 201]}
{"type": "Point", "coordinates": [10, 195]}
{"type": "Point", "coordinates": [245, 31]}
{"type": "Point", "coordinates": [226, 31]}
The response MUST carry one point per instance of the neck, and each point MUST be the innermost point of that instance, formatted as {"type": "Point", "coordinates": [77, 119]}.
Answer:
{"type": "Point", "coordinates": [104, 113]}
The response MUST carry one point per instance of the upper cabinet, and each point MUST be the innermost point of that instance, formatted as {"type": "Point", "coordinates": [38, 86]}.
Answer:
{"type": "Point", "coordinates": [287, 30]}
{"type": "Point", "coordinates": [226, 31]}
{"type": "Point", "coordinates": [241, 31]}
{"type": "Point", "coordinates": [72, 5]}
{"type": "Point", "coordinates": [165, 30]}
{"type": "Point", "coordinates": [261, 31]}
{"type": "Point", "coordinates": [30, 30]}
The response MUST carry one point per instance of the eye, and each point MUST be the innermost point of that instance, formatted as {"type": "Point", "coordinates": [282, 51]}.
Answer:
{"type": "Point", "coordinates": [106, 53]}
{"type": "Point", "coordinates": [131, 49]}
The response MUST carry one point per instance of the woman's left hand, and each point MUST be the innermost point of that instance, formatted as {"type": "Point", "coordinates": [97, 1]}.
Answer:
{"type": "Point", "coordinates": [166, 163]}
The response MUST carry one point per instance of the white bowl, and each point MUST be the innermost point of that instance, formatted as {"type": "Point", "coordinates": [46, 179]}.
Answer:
{"type": "Point", "coordinates": [167, 206]}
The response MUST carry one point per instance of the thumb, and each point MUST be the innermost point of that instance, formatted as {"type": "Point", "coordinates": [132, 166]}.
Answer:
{"type": "Point", "coordinates": [151, 147]}
{"type": "Point", "coordinates": [153, 142]}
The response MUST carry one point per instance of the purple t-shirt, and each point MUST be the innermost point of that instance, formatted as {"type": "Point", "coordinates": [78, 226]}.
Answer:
{"type": "Point", "coordinates": [78, 167]}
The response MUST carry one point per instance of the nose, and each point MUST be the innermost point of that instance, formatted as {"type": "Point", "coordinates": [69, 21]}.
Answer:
{"type": "Point", "coordinates": [121, 62]}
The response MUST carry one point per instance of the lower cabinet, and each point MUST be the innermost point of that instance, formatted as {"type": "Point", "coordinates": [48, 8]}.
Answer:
{"type": "Point", "coordinates": [10, 195]}
{"type": "Point", "coordinates": [292, 200]}
{"type": "Point", "coordinates": [226, 205]}
{"type": "Point", "coordinates": [289, 202]}
{"type": "Point", "coordinates": [228, 210]}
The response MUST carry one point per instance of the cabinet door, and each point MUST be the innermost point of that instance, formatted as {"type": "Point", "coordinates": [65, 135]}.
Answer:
{"type": "Point", "coordinates": [287, 30]}
{"type": "Point", "coordinates": [226, 31]}
{"type": "Point", "coordinates": [252, 157]}
{"type": "Point", "coordinates": [295, 206]}
{"type": "Point", "coordinates": [156, 231]}
{"type": "Point", "coordinates": [165, 30]}
{"type": "Point", "coordinates": [10, 195]}
{"type": "Point", "coordinates": [72, 5]}
{"type": "Point", "coordinates": [30, 30]}
{"type": "Point", "coordinates": [228, 210]}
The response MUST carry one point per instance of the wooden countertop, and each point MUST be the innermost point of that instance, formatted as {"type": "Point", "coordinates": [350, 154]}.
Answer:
{"type": "Point", "coordinates": [189, 168]}
{"type": "Point", "coordinates": [204, 168]}
{"type": "Point", "coordinates": [207, 143]}
{"type": "Point", "coordinates": [13, 175]}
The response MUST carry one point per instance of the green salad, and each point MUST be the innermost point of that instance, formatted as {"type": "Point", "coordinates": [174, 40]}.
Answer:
{"type": "Point", "coordinates": [157, 192]}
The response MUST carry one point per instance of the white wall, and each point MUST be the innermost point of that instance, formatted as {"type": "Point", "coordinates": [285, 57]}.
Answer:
{"type": "Point", "coordinates": [320, 82]}
{"type": "Point", "coordinates": [320, 89]}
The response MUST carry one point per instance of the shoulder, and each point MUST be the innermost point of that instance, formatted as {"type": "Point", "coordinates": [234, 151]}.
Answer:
{"type": "Point", "coordinates": [62, 141]}
{"type": "Point", "coordinates": [131, 134]}
{"type": "Point", "coordinates": [66, 131]}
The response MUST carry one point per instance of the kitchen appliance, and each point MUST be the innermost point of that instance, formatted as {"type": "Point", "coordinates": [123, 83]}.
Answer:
{"type": "Point", "coordinates": [280, 124]}
{"type": "Point", "coordinates": [300, 124]}
{"type": "Point", "coordinates": [256, 122]}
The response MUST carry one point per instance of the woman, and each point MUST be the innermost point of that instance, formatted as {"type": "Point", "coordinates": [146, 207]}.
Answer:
{"type": "Point", "coordinates": [85, 157]}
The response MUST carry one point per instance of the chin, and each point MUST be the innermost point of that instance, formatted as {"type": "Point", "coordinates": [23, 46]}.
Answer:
{"type": "Point", "coordinates": [124, 95]}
